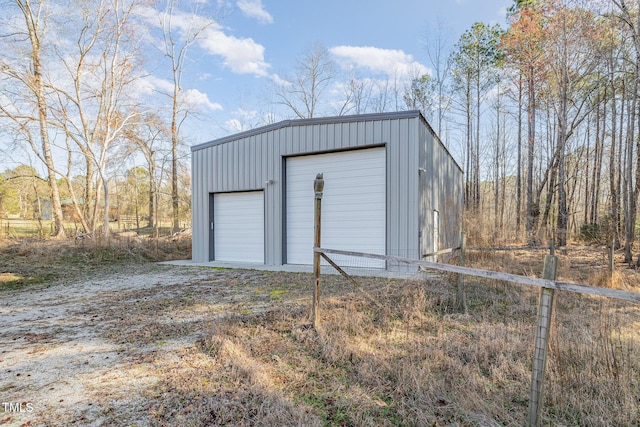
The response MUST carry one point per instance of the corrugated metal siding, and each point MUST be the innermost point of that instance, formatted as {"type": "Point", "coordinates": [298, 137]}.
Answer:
{"type": "Point", "coordinates": [440, 189]}
{"type": "Point", "coordinates": [248, 160]}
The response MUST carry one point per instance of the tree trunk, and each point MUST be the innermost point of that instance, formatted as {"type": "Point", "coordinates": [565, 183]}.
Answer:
{"type": "Point", "coordinates": [105, 189]}
{"type": "Point", "coordinates": [563, 216]}
{"type": "Point", "coordinates": [496, 190]}
{"type": "Point", "coordinates": [476, 171]}
{"type": "Point", "coordinates": [551, 193]}
{"type": "Point", "coordinates": [598, 157]}
{"type": "Point", "coordinates": [469, 171]}
{"type": "Point", "coordinates": [175, 214]}
{"type": "Point", "coordinates": [633, 195]}
{"type": "Point", "coordinates": [532, 211]}
{"type": "Point", "coordinates": [613, 185]}
{"type": "Point", "coordinates": [519, 162]}
{"type": "Point", "coordinates": [622, 188]}
{"type": "Point", "coordinates": [587, 173]}
{"type": "Point", "coordinates": [152, 194]}
{"type": "Point", "coordinates": [32, 23]}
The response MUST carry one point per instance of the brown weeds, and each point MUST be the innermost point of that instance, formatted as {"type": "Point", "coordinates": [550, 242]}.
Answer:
{"type": "Point", "coordinates": [25, 262]}
{"type": "Point", "coordinates": [405, 358]}
{"type": "Point", "coordinates": [418, 362]}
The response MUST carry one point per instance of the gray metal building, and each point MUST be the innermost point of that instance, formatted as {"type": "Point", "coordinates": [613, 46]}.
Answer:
{"type": "Point", "coordinates": [391, 188]}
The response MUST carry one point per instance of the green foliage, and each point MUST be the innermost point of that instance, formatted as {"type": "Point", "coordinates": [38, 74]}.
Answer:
{"type": "Point", "coordinates": [476, 52]}
{"type": "Point", "coordinates": [519, 5]}
{"type": "Point", "coordinates": [419, 96]}
{"type": "Point", "coordinates": [20, 189]}
{"type": "Point", "coordinates": [3, 196]}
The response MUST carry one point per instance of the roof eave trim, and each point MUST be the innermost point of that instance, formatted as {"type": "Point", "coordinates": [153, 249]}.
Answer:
{"type": "Point", "coordinates": [312, 121]}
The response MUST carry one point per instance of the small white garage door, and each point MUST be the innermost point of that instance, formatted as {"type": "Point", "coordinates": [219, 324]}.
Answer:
{"type": "Point", "coordinates": [353, 205]}
{"type": "Point", "coordinates": [238, 231]}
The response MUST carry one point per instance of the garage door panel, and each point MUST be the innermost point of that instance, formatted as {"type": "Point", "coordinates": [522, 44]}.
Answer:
{"type": "Point", "coordinates": [239, 226]}
{"type": "Point", "coordinates": [353, 204]}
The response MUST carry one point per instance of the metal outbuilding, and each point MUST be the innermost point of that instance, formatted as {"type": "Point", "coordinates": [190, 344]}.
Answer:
{"type": "Point", "coordinates": [391, 188]}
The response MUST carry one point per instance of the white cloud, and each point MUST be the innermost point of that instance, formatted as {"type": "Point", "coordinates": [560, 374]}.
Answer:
{"type": "Point", "coordinates": [200, 99]}
{"type": "Point", "coordinates": [255, 9]}
{"type": "Point", "coordinates": [240, 55]}
{"type": "Point", "coordinates": [152, 84]}
{"type": "Point", "coordinates": [246, 114]}
{"type": "Point", "coordinates": [193, 97]}
{"type": "Point", "coordinates": [279, 81]}
{"type": "Point", "coordinates": [233, 126]}
{"type": "Point", "coordinates": [243, 120]}
{"type": "Point", "coordinates": [392, 62]}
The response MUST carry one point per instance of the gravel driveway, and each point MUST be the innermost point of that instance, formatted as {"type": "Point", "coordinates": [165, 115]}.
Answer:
{"type": "Point", "coordinates": [82, 352]}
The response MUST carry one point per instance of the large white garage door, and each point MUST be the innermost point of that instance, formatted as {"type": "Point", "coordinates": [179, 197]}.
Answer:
{"type": "Point", "coordinates": [238, 231]}
{"type": "Point", "coordinates": [353, 205]}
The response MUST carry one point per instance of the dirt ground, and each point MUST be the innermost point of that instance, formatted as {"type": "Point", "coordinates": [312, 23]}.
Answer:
{"type": "Point", "coordinates": [89, 352]}
{"type": "Point", "coordinates": [146, 344]}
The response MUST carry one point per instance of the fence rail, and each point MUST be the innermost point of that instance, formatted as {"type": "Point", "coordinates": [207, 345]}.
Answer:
{"type": "Point", "coordinates": [508, 277]}
{"type": "Point", "coordinates": [513, 248]}
{"type": "Point", "coordinates": [442, 252]}
{"type": "Point", "coordinates": [527, 248]}
{"type": "Point", "coordinates": [29, 228]}
{"type": "Point", "coordinates": [548, 285]}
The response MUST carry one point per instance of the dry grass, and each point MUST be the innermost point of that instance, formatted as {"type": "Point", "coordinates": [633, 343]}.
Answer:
{"type": "Point", "coordinates": [25, 262]}
{"type": "Point", "coordinates": [594, 365]}
{"type": "Point", "coordinates": [417, 362]}
{"type": "Point", "coordinates": [406, 359]}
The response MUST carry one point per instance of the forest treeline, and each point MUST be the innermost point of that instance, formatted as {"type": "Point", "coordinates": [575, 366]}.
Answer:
{"type": "Point", "coordinates": [541, 112]}
{"type": "Point", "coordinates": [557, 92]}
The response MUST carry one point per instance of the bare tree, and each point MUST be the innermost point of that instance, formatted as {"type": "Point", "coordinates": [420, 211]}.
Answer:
{"type": "Point", "coordinates": [84, 96]}
{"type": "Point", "coordinates": [27, 79]}
{"type": "Point", "coordinates": [524, 44]}
{"type": "Point", "coordinates": [571, 85]}
{"type": "Point", "coordinates": [147, 136]}
{"type": "Point", "coordinates": [437, 46]}
{"type": "Point", "coordinates": [303, 92]}
{"type": "Point", "coordinates": [96, 107]}
{"type": "Point", "coordinates": [177, 39]}
{"type": "Point", "coordinates": [630, 17]}
{"type": "Point", "coordinates": [357, 96]}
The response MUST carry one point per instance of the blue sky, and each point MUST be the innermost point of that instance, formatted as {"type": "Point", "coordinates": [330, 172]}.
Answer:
{"type": "Point", "coordinates": [249, 44]}
{"type": "Point", "coordinates": [255, 41]}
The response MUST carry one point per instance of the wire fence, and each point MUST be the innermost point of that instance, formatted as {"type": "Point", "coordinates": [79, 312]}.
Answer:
{"type": "Point", "coordinates": [547, 284]}
{"type": "Point", "coordinates": [34, 228]}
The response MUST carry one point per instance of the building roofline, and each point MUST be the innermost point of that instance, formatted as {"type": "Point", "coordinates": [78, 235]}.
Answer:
{"type": "Point", "coordinates": [305, 122]}
{"type": "Point", "coordinates": [436, 137]}
{"type": "Point", "coordinates": [409, 114]}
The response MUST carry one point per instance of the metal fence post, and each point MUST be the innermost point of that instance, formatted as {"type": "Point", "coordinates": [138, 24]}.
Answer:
{"type": "Point", "coordinates": [318, 187]}
{"type": "Point", "coordinates": [541, 346]}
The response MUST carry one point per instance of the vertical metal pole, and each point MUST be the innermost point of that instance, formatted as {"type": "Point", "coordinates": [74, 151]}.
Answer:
{"type": "Point", "coordinates": [462, 301]}
{"type": "Point", "coordinates": [541, 346]}
{"type": "Point", "coordinates": [318, 187]}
